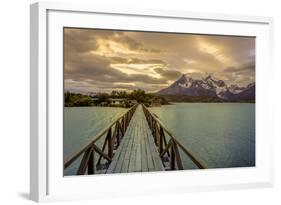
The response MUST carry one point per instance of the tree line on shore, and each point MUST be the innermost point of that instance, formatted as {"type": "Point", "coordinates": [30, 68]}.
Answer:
{"type": "Point", "coordinates": [124, 99]}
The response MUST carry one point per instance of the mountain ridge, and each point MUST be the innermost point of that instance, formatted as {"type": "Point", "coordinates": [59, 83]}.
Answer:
{"type": "Point", "coordinates": [208, 87]}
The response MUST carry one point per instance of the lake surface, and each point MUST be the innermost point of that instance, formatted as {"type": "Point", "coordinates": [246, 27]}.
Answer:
{"type": "Point", "coordinates": [81, 125]}
{"type": "Point", "coordinates": [219, 134]}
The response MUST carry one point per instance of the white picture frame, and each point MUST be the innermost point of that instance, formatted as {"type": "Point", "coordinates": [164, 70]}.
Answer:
{"type": "Point", "coordinates": [46, 179]}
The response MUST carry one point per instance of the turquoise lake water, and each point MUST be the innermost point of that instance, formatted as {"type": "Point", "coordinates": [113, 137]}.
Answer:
{"type": "Point", "coordinates": [81, 125]}
{"type": "Point", "coordinates": [219, 134]}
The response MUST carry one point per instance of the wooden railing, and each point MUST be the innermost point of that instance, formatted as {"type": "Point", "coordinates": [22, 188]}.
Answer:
{"type": "Point", "coordinates": [114, 134]}
{"type": "Point", "coordinates": [168, 149]}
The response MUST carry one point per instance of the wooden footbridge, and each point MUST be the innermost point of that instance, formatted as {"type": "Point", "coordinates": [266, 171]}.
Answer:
{"type": "Point", "coordinates": [136, 142]}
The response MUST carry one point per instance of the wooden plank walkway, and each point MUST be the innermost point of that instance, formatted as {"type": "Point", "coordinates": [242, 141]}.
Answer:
{"type": "Point", "coordinates": [137, 151]}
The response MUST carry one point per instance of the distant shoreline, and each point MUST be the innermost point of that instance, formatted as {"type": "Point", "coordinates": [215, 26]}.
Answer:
{"type": "Point", "coordinates": [127, 100]}
{"type": "Point", "coordinates": [170, 103]}
{"type": "Point", "coordinates": [218, 102]}
{"type": "Point", "coordinates": [202, 99]}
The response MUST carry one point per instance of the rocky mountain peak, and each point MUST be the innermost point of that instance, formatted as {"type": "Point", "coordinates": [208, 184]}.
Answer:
{"type": "Point", "coordinates": [197, 84]}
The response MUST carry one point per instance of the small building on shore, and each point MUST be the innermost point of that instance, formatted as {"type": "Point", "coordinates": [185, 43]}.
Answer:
{"type": "Point", "coordinates": [117, 101]}
{"type": "Point", "coordinates": [114, 101]}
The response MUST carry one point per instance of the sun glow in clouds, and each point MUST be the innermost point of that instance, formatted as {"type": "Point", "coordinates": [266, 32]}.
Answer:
{"type": "Point", "coordinates": [147, 69]}
{"type": "Point", "coordinates": [111, 48]}
{"type": "Point", "coordinates": [216, 52]}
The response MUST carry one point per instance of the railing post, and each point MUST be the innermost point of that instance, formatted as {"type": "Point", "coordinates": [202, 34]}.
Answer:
{"type": "Point", "coordinates": [84, 162]}
{"type": "Point", "coordinates": [161, 139]}
{"type": "Point", "coordinates": [178, 157]}
{"type": "Point", "coordinates": [166, 144]}
{"type": "Point", "coordinates": [117, 133]}
{"type": "Point", "coordinates": [109, 143]}
{"type": "Point", "coordinates": [124, 123]}
{"type": "Point", "coordinates": [172, 157]}
{"type": "Point", "coordinates": [156, 134]}
{"type": "Point", "coordinates": [128, 120]}
{"type": "Point", "coordinates": [91, 163]}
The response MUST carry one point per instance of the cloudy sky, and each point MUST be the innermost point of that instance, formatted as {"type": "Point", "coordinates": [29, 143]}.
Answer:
{"type": "Point", "coordinates": [103, 60]}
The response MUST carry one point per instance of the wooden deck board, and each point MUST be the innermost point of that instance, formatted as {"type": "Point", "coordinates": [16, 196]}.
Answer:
{"type": "Point", "coordinates": [118, 154]}
{"type": "Point", "coordinates": [154, 153]}
{"type": "Point", "coordinates": [144, 166]}
{"type": "Point", "coordinates": [149, 157]}
{"type": "Point", "coordinates": [137, 151]}
{"type": "Point", "coordinates": [127, 154]}
{"type": "Point", "coordinates": [132, 160]}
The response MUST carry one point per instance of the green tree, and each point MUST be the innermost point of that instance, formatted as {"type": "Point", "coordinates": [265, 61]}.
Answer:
{"type": "Point", "coordinates": [141, 97]}
{"type": "Point", "coordinates": [103, 97]}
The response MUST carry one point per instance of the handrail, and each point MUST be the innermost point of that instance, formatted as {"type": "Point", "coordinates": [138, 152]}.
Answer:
{"type": "Point", "coordinates": [112, 141]}
{"type": "Point", "coordinates": [158, 131]}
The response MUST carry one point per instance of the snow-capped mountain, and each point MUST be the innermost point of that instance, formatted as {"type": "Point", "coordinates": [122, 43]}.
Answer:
{"type": "Point", "coordinates": [248, 93]}
{"type": "Point", "coordinates": [208, 86]}
{"type": "Point", "coordinates": [235, 89]}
